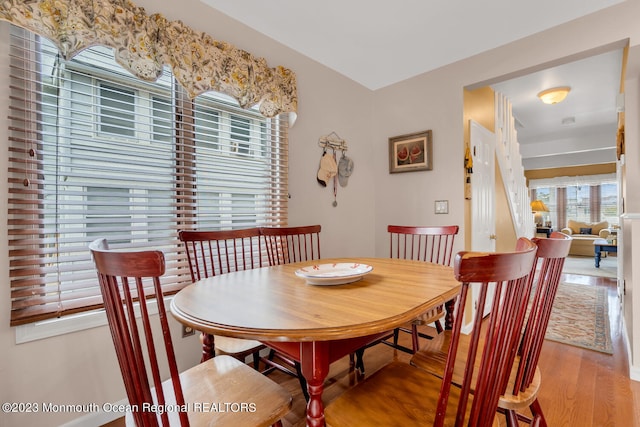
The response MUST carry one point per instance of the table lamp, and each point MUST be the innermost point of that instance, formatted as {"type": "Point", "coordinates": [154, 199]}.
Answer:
{"type": "Point", "coordinates": [538, 206]}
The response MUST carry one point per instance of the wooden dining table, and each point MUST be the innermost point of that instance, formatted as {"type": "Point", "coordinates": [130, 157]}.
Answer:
{"type": "Point", "coordinates": [315, 324]}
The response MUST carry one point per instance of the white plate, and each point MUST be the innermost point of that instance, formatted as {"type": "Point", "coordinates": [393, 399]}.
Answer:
{"type": "Point", "coordinates": [333, 274]}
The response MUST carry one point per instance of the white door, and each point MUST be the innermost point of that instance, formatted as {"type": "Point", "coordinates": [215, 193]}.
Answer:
{"type": "Point", "coordinates": [483, 183]}
{"type": "Point", "coordinates": [483, 148]}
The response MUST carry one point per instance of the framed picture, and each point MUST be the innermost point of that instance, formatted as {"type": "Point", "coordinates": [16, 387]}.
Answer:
{"type": "Point", "coordinates": [412, 152]}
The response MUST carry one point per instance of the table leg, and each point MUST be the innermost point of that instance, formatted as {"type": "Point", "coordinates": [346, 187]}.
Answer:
{"type": "Point", "coordinates": [448, 319]}
{"type": "Point", "coordinates": [314, 359]}
{"type": "Point", "coordinates": [598, 255]}
{"type": "Point", "coordinates": [208, 347]}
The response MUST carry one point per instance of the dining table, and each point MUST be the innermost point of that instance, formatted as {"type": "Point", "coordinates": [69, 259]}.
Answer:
{"type": "Point", "coordinates": [307, 311]}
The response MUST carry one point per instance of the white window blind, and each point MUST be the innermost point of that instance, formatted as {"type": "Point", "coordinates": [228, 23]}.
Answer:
{"type": "Point", "coordinates": [95, 152]}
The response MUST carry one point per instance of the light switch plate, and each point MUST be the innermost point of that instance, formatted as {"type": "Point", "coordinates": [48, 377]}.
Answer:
{"type": "Point", "coordinates": [442, 206]}
{"type": "Point", "coordinates": [187, 331]}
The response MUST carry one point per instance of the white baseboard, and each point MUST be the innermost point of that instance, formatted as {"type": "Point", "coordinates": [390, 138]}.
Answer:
{"type": "Point", "coordinates": [634, 372]}
{"type": "Point", "coordinates": [466, 329]}
{"type": "Point", "coordinates": [100, 417]}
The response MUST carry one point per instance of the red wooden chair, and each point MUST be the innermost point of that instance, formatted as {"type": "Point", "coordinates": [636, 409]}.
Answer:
{"type": "Point", "coordinates": [431, 244]}
{"type": "Point", "coordinates": [130, 280]}
{"type": "Point", "coordinates": [214, 252]}
{"type": "Point", "coordinates": [284, 246]}
{"type": "Point", "coordinates": [524, 385]}
{"type": "Point", "coordinates": [403, 395]}
{"type": "Point", "coordinates": [427, 243]}
{"type": "Point", "coordinates": [525, 380]}
{"type": "Point", "coordinates": [292, 244]}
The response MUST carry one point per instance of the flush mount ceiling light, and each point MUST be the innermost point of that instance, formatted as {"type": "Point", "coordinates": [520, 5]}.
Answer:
{"type": "Point", "coordinates": [554, 95]}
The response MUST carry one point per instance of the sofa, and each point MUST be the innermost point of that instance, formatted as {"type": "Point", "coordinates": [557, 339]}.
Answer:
{"type": "Point", "coordinates": [583, 235]}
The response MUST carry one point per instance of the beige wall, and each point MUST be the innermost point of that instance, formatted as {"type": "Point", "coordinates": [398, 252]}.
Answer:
{"type": "Point", "coordinates": [80, 367]}
{"type": "Point", "coordinates": [434, 100]}
{"type": "Point", "coordinates": [631, 216]}
{"type": "Point", "coordinates": [479, 106]}
{"type": "Point", "coordinates": [505, 231]}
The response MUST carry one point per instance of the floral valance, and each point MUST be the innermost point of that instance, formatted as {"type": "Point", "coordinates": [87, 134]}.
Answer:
{"type": "Point", "coordinates": [144, 43]}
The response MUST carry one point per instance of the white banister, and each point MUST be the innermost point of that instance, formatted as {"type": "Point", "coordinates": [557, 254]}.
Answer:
{"type": "Point", "coordinates": [510, 163]}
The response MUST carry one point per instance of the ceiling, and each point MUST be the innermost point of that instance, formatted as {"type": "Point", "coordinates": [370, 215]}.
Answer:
{"type": "Point", "coordinates": [377, 44]}
{"type": "Point", "coordinates": [582, 129]}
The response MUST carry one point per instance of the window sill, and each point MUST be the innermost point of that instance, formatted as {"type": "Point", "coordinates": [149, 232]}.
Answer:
{"type": "Point", "coordinates": [68, 324]}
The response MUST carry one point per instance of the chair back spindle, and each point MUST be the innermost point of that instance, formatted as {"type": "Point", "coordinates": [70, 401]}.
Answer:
{"type": "Point", "coordinates": [423, 243]}
{"type": "Point", "coordinates": [292, 244]}
{"type": "Point", "coordinates": [215, 252]}
{"type": "Point", "coordinates": [532, 320]}
{"type": "Point", "coordinates": [492, 342]}
{"type": "Point", "coordinates": [128, 278]}
{"type": "Point", "coordinates": [286, 245]}
{"type": "Point", "coordinates": [551, 256]}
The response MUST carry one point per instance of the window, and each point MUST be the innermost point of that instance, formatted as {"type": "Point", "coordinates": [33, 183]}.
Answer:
{"type": "Point", "coordinates": [117, 110]}
{"type": "Point", "coordinates": [95, 152]}
{"type": "Point", "coordinates": [585, 199]}
{"type": "Point", "coordinates": [578, 203]}
{"type": "Point", "coordinates": [240, 134]}
{"type": "Point", "coordinates": [548, 197]}
{"type": "Point", "coordinates": [609, 203]}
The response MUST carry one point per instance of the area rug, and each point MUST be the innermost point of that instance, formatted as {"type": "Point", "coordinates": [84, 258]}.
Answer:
{"type": "Point", "coordinates": [586, 266]}
{"type": "Point", "coordinates": [580, 317]}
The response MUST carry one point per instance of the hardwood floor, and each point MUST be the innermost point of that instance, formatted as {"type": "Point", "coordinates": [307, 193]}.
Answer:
{"type": "Point", "coordinates": [588, 388]}
{"type": "Point", "coordinates": [579, 387]}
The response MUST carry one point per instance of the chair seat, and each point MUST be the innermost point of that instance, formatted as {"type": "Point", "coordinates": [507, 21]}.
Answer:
{"type": "Point", "coordinates": [215, 390]}
{"type": "Point", "coordinates": [396, 395]}
{"type": "Point", "coordinates": [236, 346]}
{"type": "Point", "coordinates": [433, 356]}
{"type": "Point", "coordinates": [523, 399]}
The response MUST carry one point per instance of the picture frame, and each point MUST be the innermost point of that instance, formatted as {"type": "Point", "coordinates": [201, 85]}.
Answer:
{"type": "Point", "coordinates": [411, 152]}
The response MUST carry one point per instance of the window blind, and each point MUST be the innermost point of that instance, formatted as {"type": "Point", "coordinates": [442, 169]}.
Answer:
{"type": "Point", "coordinates": [95, 152]}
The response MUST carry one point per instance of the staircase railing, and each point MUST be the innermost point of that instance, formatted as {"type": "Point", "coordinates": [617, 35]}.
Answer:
{"type": "Point", "coordinates": [510, 163]}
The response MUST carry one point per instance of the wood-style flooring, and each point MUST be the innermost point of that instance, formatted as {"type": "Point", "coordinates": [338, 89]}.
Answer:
{"type": "Point", "coordinates": [579, 387]}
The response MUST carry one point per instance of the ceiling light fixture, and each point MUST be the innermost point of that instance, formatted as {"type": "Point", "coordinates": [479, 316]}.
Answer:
{"type": "Point", "coordinates": [554, 95]}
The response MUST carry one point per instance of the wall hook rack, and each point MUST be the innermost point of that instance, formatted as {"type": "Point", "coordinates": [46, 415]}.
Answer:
{"type": "Point", "coordinates": [333, 141]}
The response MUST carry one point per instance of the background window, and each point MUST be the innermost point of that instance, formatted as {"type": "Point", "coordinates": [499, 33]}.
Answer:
{"type": "Point", "coordinates": [117, 110]}
{"type": "Point", "coordinates": [592, 199]}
